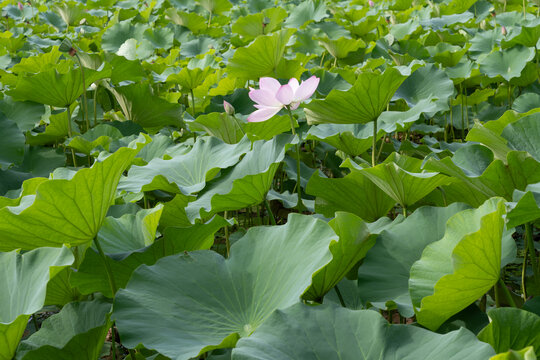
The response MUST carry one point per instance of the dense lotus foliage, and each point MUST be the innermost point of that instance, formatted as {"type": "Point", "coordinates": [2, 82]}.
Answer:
{"type": "Point", "coordinates": [226, 179]}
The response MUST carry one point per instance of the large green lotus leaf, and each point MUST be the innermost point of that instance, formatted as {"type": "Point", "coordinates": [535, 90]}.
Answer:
{"type": "Point", "coordinates": [215, 6]}
{"type": "Point", "coordinates": [221, 125]}
{"type": "Point", "coordinates": [77, 332]}
{"type": "Point", "coordinates": [523, 354]}
{"type": "Point", "coordinates": [508, 63]}
{"type": "Point", "coordinates": [426, 82]}
{"type": "Point", "coordinates": [253, 25]}
{"type": "Point", "coordinates": [266, 130]}
{"type": "Point", "coordinates": [65, 211]}
{"type": "Point", "coordinates": [22, 275]}
{"type": "Point", "coordinates": [526, 35]}
{"type": "Point", "coordinates": [461, 267]}
{"type": "Point", "coordinates": [92, 276]}
{"type": "Point", "coordinates": [193, 21]}
{"type": "Point", "coordinates": [246, 184]}
{"type": "Point", "coordinates": [446, 54]}
{"type": "Point", "coordinates": [25, 113]}
{"type": "Point", "coordinates": [56, 131]}
{"type": "Point", "coordinates": [523, 135]}
{"type": "Point", "coordinates": [101, 136]}
{"type": "Point", "coordinates": [129, 232]}
{"type": "Point", "coordinates": [497, 179]}
{"type": "Point", "coordinates": [55, 89]}
{"type": "Point", "coordinates": [353, 139]}
{"type": "Point", "coordinates": [401, 178]}
{"type": "Point", "coordinates": [38, 63]}
{"type": "Point", "coordinates": [511, 328]}
{"type": "Point", "coordinates": [189, 79]}
{"type": "Point", "coordinates": [362, 103]}
{"type": "Point", "coordinates": [353, 193]}
{"type": "Point", "coordinates": [141, 106]}
{"type": "Point", "coordinates": [456, 7]}
{"type": "Point", "coordinates": [190, 303]}
{"type": "Point", "coordinates": [354, 242]}
{"type": "Point", "coordinates": [186, 173]}
{"type": "Point", "coordinates": [389, 261]}
{"type": "Point", "coordinates": [526, 102]}
{"type": "Point", "coordinates": [402, 120]}
{"type": "Point", "coordinates": [261, 58]}
{"type": "Point", "coordinates": [115, 36]}
{"type": "Point", "coordinates": [328, 332]}
{"type": "Point", "coordinates": [306, 11]}
{"type": "Point", "coordinates": [526, 206]}
{"type": "Point", "coordinates": [12, 144]}
{"type": "Point", "coordinates": [341, 47]}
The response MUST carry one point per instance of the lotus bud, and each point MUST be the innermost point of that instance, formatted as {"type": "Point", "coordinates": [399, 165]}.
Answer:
{"type": "Point", "coordinates": [20, 6]}
{"type": "Point", "coordinates": [503, 30]}
{"type": "Point", "coordinates": [371, 3]}
{"type": "Point", "coordinates": [229, 109]}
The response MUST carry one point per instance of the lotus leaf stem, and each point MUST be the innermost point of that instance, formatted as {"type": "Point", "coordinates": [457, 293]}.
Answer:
{"type": "Point", "coordinates": [270, 214]}
{"type": "Point", "coordinates": [192, 103]}
{"type": "Point", "coordinates": [108, 268]}
{"type": "Point", "coordinates": [70, 134]}
{"type": "Point", "coordinates": [85, 100]}
{"type": "Point", "coordinates": [532, 252]}
{"type": "Point", "coordinates": [227, 241]}
{"type": "Point", "coordinates": [339, 296]}
{"type": "Point", "coordinates": [374, 144]}
{"type": "Point", "coordinates": [297, 146]}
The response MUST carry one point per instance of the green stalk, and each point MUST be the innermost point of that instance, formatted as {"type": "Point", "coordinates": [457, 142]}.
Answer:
{"type": "Point", "coordinates": [462, 114]}
{"type": "Point", "coordinates": [227, 242]}
{"type": "Point", "coordinates": [110, 275]}
{"type": "Point", "coordinates": [95, 104]}
{"type": "Point", "coordinates": [339, 296]}
{"type": "Point", "coordinates": [532, 253]}
{"type": "Point", "coordinates": [193, 103]}
{"type": "Point", "coordinates": [270, 214]}
{"type": "Point", "coordinates": [85, 100]}
{"type": "Point", "coordinates": [297, 146]}
{"type": "Point", "coordinates": [374, 144]}
{"type": "Point", "coordinates": [113, 343]}
{"type": "Point", "coordinates": [523, 273]}
{"type": "Point", "coordinates": [70, 134]}
{"type": "Point", "coordinates": [509, 96]}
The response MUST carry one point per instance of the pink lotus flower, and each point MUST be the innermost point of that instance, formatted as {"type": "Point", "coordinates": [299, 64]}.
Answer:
{"type": "Point", "coordinates": [371, 3]}
{"type": "Point", "coordinates": [272, 96]}
{"type": "Point", "coordinates": [20, 6]}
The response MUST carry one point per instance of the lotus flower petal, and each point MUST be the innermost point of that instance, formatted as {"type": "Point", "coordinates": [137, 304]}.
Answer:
{"type": "Point", "coordinates": [285, 94]}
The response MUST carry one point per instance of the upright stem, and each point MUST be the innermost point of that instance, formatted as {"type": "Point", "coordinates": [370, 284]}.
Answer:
{"type": "Point", "coordinates": [227, 242]}
{"type": "Point", "coordinates": [374, 144]}
{"type": "Point", "coordinates": [70, 134]}
{"type": "Point", "coordinates": [532, 253]}
{"type": "Point", "coordinates": [85, 104]}
{"type": "Point", "coordinates": [270, 214]}
{"type": "Point", "coordinates": [192, 103]}
{"type": "Point", "coordinates": [298, 177]}
{"type": "Point", "coordinates": [110, 275]}
{"type": "Point", "coordinates": [239, 125]}
{"type": "Point", "coordinates": [509, 96]}
{"type": "Point", "coordinates": [339, 296]}
{"type": "Point", "coordinates": [95, 104]}
{"type": "Point", "coordinates": [523, 276]}
{"type": "Point", "coordinates": [462, 114]}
